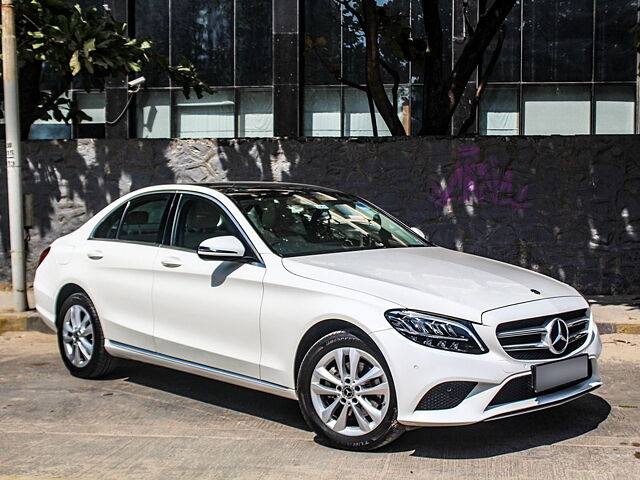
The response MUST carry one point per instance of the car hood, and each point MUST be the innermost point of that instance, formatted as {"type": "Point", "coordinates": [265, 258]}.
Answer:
{"type": "Point", "coordinates": [432, 279]}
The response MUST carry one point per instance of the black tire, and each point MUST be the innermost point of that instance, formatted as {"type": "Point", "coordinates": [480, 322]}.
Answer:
{"type": "Point", "coordinates": [387, 430]}
{"type": "Point", "coordinates": [100, 362]}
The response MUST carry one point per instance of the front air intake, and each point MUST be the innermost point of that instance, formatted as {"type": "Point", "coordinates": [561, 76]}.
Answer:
{"type": "Point", "coordinates": [446, 395]}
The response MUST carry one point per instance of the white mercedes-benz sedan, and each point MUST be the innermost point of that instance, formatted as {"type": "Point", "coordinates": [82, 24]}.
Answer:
{"type": "Point", "coordinates": [319, 296]}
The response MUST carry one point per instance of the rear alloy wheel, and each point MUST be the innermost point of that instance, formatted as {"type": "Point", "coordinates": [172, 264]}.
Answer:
{"type": "Point", "coordinates": [347, 395]}
{"type": "Point", "coordinates": [77, 336]}
{"type": "Point", "coordinates": [80, 338]}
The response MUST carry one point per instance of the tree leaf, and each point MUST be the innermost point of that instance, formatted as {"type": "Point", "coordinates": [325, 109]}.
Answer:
{"type": "Point", "coordinates": [74, 63]}
{"type": "Point", "coordinates": [89, 46]}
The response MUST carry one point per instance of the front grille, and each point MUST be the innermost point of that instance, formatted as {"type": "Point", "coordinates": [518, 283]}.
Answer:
{"type": "Point", "coordinates": [446, 395]}
{"type": "Point", "coordinates": [525, 339]}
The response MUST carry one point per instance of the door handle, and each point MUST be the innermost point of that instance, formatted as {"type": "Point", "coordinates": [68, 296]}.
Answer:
{"type": "Point", "coordinates": [95, 254]}
{"type": "Point", "coordinates": [171, 262]}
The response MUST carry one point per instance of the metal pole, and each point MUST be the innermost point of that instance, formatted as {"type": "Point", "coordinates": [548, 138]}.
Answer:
{"type": "Point", "coordinates": [14, 156]}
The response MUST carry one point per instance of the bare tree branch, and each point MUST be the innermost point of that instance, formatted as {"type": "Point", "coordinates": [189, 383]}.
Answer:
{"type": "Point", "coordinates": [374, 75]}
{"type": "Point", "coordinates": [471, 55]}
{"type": "Point", "coordinates": [396, 81]}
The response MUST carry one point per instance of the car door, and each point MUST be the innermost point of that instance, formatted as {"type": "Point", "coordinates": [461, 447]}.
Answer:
{"type": "Point", "coordinates": [119, 259]}
{"type": "Point", "coordinates": [207, 311]}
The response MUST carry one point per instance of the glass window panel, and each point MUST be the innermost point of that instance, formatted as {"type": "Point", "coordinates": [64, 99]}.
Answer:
{"type": "Point", "coordinates": [209, 116]}
{"type": "Point", "coordinates": [322, 22]}
{"type": "Point", "coordinates": [49, 78]}
{"type": "Point", "coordinates": [353, 49]}
{"type": "Point", "coordinates": [417, 30]}
{"type": "Point", "coordinates": [93, 104]}
{"type": "Point", "coordinates": [354, 61]}
{"type": "Point", "coordinates": [144, 220]}
{"type": "Point", "coordinates": [256, 113]}
{"type": "Point", "coordinates": [557, 110]}
{"type": "Point", "coordinates": [557, 41]}
{"type": "Point", "coordinates": [154, 114]}
{"type": "Point", "coordinates": [322, 112]}
{"type": "Point", "coordinates": [499, 111]}
{"type": "Point", "coordinates": [615, 109]}
{"type": "Point", "coordinates": [198, 220]}
{"type": "Point", "coordinates": [42, 130]}
{"type": "Point", "coordinates": [152, 22]}
{"type": "Point", "coordinates": [108, 228]}
{"type": "Point", "coordinates": [507, 68]}
{"type": "Point", "coordinates": [202, 31]}
{"type": "Point", "coordinates": [253, 42]}
{"type": "Point", "coordinates": [401, 8]}
{"type": "Point", "coordinates": [357, 117]}
{"type": "Point", "coordinates": [615, 53]}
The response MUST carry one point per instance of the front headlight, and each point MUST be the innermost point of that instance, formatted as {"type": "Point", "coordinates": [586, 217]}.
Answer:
{"type": "Point", "coordinates": [436, 332]}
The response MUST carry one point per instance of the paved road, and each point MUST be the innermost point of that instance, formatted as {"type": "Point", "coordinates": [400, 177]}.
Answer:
{"type": "Point", "coordinates": [148, 422]}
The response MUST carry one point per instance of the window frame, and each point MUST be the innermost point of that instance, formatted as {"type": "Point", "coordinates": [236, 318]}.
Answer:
{"type": "Point", "coordinates": [163, 222]}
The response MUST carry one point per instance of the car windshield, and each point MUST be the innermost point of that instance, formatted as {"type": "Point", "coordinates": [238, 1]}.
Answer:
{"type": "Point", "coordinates": [304, 222]}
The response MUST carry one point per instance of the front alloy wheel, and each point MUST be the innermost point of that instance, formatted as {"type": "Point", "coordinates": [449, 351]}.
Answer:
{"type": "Point", "coordinates": [349, 391]}
{"type": "Point", "coordinates": [346, 394]}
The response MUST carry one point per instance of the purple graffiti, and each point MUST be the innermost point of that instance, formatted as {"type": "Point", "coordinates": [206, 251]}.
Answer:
{"type": "Point", "coordinates": [477, 181]}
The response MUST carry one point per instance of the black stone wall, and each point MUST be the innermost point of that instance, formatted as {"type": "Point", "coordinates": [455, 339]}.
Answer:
{"type": "Point", "coordinates": [568, 207]}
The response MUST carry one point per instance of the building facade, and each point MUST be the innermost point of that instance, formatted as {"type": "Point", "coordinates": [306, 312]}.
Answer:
{"type": "Point", "coordinates": [567, 67]}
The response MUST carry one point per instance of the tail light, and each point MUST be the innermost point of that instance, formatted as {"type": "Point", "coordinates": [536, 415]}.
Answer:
{"type": "Point", "coordinates": [43, 255]}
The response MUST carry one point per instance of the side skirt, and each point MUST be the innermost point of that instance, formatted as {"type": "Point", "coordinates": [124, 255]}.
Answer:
{"type": "Point", "coordinates": [122, 350]}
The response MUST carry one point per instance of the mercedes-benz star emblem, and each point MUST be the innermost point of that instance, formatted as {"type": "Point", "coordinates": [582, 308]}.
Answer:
{"type": "Point", "coordinates": [557, 336]}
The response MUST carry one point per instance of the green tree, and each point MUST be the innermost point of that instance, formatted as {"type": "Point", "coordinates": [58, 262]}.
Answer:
{"type": "Point", "coordinates": [83, 47]}
{"type": "Point", "coordinates": [385, 30]}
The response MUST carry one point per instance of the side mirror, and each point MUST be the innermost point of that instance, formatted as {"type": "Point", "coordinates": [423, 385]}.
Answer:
{"type": "Point", "coordinates": [221, 248]}
{"type": "Point", "coordinates": [419, 232]}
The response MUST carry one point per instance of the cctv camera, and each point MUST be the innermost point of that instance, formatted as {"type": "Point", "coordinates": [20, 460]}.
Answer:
{"type": "Point", "coordinates": [136, 83]}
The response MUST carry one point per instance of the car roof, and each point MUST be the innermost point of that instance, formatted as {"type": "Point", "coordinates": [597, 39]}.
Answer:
{"type": "Point", "coordinates": [235, 187]}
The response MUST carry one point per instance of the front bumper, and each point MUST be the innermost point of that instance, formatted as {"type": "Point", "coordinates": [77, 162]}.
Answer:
{"type": "Point", "coordinates": [416, 369]}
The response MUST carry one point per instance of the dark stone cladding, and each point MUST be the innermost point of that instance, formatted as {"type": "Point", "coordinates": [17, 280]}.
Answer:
{"type": "Point", "coordinates": [568, 207]}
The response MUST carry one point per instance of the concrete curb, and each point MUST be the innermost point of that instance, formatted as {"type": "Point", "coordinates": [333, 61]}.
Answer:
{"type": "Point", "coordinates": [22, 322]}
{"type": "Point", "coordinates": [31, 321]}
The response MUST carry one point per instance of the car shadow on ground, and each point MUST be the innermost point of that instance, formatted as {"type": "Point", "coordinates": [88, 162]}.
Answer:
{"type": "Point", "coordinates": [212, 392]}
{"type": "Point", "coordinates": [509, 435]}
{"type": "Point", "coordinates": [481, 440]}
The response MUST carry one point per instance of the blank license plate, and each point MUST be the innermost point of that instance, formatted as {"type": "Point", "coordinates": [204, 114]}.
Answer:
{"type": "Point", "coordinates": [555, 374]}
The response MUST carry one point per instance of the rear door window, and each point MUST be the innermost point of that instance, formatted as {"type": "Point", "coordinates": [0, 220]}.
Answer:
{"type": "Point", "coordinates": [108, 229]}
{"type": "Point", "coordinates": [145, 219]}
